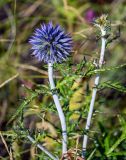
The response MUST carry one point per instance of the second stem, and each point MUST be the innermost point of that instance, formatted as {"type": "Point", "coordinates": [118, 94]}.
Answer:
{"type": "Point", "coordinates": [94, 92]}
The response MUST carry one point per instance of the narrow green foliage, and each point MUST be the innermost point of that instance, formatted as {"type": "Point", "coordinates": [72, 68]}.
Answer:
{"type": "Point", "coordinates": [95, 71]}
{"type": "Point", "coordinates": [23, 105]}
{"type": "Point", "coordinates": [115, 145]}
{"type": "Point", "coordinates": [36, 115]}
{"type": "Point", "coordinates": [114, 85]}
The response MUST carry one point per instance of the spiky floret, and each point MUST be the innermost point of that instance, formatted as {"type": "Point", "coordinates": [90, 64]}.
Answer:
{"type": "Point", "coordinates": [51, 44]}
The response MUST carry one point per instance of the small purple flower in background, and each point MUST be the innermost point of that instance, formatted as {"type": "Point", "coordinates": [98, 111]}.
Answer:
{"type": "Point", "coordinates": [90, 15]}
{"type": "Point", "coordinates": [51, 44]}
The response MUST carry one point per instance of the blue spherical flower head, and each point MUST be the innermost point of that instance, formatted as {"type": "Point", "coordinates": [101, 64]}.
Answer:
{"type": "Point", "coordinates": [51, 44]}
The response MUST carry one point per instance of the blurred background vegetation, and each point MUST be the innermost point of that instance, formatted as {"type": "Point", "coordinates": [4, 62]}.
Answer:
{"type": "Point", "coordinates": [21, 76]}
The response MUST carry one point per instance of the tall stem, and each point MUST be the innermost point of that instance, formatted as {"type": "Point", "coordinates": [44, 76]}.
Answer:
{"type": "Point", "coordinates": [59, 109]}
{"type": "Point", "coordinates": [94, 92]}
{"type": "Point", "coordinates": [42, 148]}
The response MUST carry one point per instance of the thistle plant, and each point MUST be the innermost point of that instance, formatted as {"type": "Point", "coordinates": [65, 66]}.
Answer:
{"type": "Point", "coordinates": [42, 148]}
{"type": "Point", "coordinates": [51, 45]}
{"type": "Point", "coordinates": [103, 24]}
{"type": "Point", "coordinates": [23, 133]}
{"type": "Point", "coordinates": [52, 108]}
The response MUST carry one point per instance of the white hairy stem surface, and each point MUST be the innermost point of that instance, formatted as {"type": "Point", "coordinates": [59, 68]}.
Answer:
{"type": "Point", "coordinates": [59, 109]}
{"type": "Point", "coordinates": [42, 148]}
{"type": "Point", "coordinates": [94, 92]}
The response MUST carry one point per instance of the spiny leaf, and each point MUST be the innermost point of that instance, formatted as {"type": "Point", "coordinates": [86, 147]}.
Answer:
{"type": "Point", "coordinates": [95, 71]}
{"type": "Point", "coordinates": [23, 104]}
{"type": "Point", "coordinates": [9, 133]}
{"type": "Point", "coordinates": [42, 89]}
{"type": "Point", "coordinates": [114, 85]}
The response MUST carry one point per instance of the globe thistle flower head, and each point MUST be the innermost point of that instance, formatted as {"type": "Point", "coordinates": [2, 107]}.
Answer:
{"type": "Point", "coordinates": [51, 44]}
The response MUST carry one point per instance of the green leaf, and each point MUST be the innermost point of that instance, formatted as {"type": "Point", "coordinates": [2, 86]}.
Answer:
{"type": "Point", "coordinates": [122, 153]}
{"type": "Point", "coordinates": [114, 85]}
{"type": "Point", "coordinates": [23, 105]}
{"type": "Point", "coordinates": [91, 155]}
{"type": "Point", "coordinates": [96, 71]}
{"type": "Point", "coordinates": [107, 143]}
{"type": "Point", "coordinates": [115, 145]}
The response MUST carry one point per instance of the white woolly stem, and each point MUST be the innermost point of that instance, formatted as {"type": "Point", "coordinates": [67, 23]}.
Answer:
{"type": "Point", "coordinates": [94, 92]}
{"type": "Point", "coordinates": [42, 148]}
{"type": "Point", "coordinates": [59, 109]}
